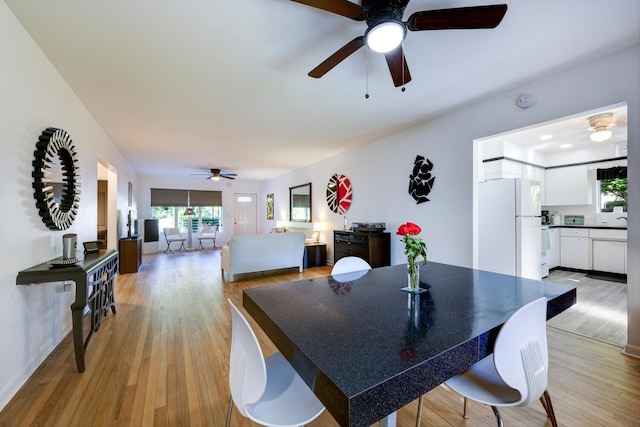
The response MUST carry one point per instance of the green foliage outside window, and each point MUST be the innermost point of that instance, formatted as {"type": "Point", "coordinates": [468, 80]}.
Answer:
{"type": "Point", "coordinates": [613, 193]}
{"type": "Point", "coordinates": [173, 216]}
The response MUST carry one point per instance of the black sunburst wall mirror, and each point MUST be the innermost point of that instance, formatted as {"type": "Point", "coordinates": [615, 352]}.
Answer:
{"type": "Point", "coordinates": [56, 179]}
{"type": "Point", "coordinates": [421, 180]}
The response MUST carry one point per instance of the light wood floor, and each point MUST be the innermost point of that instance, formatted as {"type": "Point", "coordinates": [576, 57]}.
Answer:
{"type": "Point", "coordinates": [162, 360]}
{"type": "Point", "coordinates": [601, 310]}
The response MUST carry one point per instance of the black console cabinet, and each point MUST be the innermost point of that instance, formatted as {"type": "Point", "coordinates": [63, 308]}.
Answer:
{"type": "Point", "coordinates": [372, 246]}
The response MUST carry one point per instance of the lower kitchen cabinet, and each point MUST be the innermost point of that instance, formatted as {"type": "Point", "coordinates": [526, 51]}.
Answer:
{"type": "Point", "coordinates": [609, 256]}
{"type": "Point", "coordinates": [574, 249]}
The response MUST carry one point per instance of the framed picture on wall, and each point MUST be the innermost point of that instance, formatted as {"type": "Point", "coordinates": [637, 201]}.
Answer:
{"type": "Point", "coordinates": [270, 206]}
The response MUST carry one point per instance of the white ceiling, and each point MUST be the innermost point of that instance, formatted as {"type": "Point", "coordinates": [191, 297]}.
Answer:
{"type": "Point", "coordinates": [574, 131]}
{"type": "Point", "coordinates": [183, 86]}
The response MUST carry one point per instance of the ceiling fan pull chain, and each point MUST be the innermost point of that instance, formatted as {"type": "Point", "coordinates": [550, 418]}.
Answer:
{"type": "Point", "coordinates": [404, 64]}
{"type": "Point", "coordinates": [366, 73]}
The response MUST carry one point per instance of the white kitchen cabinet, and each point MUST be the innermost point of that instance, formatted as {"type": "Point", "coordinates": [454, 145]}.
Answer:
{"type": "Point", "coordinates": [553, 257]}
{"type": "Point", "coordinates": [568, 185]}
{"type": "Point", "coordinates": [609, 249]}
{"type": "Point", "coordinates": [575, 248]}
{"type": "Point", "coordinates": [609, 256]}
{"type": "Point", "coordinates": [500, 169]}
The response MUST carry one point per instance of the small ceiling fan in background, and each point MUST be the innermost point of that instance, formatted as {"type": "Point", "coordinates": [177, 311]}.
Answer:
{"type": "Point", "coordinates": [216, 174]}
{"type": "Point", "coordinates": [386, 30]}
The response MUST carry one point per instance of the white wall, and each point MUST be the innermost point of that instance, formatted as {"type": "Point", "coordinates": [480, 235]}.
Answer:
{"type": "Point", "coordinates": [379, 171]}
{"type": "Point", "coordinates": [33, 319]}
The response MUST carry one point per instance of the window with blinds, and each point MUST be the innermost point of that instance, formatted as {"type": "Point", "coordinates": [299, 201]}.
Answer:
{"type": "Point", "coordinates": [169, 207]}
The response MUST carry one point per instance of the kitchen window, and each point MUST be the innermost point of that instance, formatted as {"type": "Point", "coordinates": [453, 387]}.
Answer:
{"type": "Point", "coordinates": [612, 184]}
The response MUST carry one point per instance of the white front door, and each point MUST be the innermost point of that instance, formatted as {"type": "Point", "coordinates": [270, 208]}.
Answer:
{"type": "Point", "coordinates": [245, 214]}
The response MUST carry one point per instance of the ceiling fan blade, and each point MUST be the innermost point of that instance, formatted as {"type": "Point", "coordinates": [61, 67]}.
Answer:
{"type": "Point", "coordinates": [228, 176]}
{"type": "Point", "coordinates": [339, 7]}
{"type": "Point", "coordinates": [458, 18]}
{"type": "Point", "coordinates": [339, 56]}
{"type": "Point", "coordinates": [398, 67]}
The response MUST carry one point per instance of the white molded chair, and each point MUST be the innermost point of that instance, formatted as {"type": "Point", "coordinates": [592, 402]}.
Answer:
{"type": "Point", "coordinates": [349, 264]}
{"type": "Point", "coordinates": [208, 233]}
{"type": "Point", "coordinates": [517, 371]}
{"type": "Point", "coordinates": [267, 391]}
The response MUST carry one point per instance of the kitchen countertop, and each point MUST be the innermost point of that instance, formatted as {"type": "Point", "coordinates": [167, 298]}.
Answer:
{"type": "Point", "coordinates": [600, 226]}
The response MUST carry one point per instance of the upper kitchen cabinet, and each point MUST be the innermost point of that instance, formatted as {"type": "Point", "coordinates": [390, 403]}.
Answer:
{"type": "Point", "coordinates": [568, 185]}
{"type": "Point", "coordinates": [502, 168]}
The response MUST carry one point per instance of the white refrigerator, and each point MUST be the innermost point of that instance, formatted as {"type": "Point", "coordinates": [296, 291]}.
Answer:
{"type": "Point", "coordinates": [509, 237]}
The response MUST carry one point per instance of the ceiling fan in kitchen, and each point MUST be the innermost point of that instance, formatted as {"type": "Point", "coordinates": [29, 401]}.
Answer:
{"type": "Point", "coordinates": [215, 174]}
{"type": "Point", "coordinates": [386, 30]}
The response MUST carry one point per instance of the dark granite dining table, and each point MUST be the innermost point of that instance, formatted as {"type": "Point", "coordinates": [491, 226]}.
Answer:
{"type": "Point", "coordinates": [366, 348]}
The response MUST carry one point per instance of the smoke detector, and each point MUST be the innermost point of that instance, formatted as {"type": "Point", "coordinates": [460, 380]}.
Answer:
{"type": "Point", "coordinates": [526, 100]}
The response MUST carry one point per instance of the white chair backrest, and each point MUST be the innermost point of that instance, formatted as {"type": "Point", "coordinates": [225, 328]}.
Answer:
{"type": "Point", "coordinates": [520, 353]}
{"type": "Point", "coordinates": [247, 369]}
{"type": "Point", "coordinates": [208, 230]}
{"type": "Point", "coordinates": [171, 231]}
{"type": "Point", "coordinates": [349, 264]}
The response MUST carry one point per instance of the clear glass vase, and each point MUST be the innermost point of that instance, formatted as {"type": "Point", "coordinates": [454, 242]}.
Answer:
{"type": "Point", "coordinates": [413, 276]}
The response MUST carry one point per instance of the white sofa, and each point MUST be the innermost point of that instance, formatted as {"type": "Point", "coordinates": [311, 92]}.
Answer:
{"type": "Point", "coordinates": [247, 253]}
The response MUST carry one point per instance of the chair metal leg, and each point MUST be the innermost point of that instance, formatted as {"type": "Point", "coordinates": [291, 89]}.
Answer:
{"type": "Point", "coordinates": [498, 416]}
{"type": "Point", "coordinates": [465, 413]}
{"type": "Point", "coordinates": [545, 399]}
{"type": "Point", "coordinates": [228, 423]}
{"type": "Point", "coordinates": [419, 414]}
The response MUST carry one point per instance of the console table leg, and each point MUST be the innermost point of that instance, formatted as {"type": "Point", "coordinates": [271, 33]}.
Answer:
{"type": "Point", "coordinates": [78, 341]}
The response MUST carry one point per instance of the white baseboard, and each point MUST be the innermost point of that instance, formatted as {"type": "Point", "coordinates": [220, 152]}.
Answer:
{"type": "Point", "coordinates": [631, 350]}
{"type": "Point", "coordinates": [9, 390]}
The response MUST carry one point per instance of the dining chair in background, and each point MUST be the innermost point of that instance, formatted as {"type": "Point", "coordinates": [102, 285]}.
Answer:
{"type": "Point", "coordinates": [172, 234]}
{"type": "Point", "coordinates": [208, 233]}
{"type": "Point", "coordinates": [349, 264]}
{"type": "Point", "coordinates": [517, 372]}
{"type": "Point", "coordinates": [267, 391]}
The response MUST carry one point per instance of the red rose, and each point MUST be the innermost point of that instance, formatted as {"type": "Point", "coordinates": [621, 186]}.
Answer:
{"type": "Point", "coordinates": [408, 228]}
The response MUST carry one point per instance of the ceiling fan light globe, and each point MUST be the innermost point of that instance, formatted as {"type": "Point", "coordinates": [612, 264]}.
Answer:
{"type": "Point", "coordinates": [216, 178]}
{"type": "Point", "coordinates": [600, 135]}
{"type": "Point", "coordinates": [385, 36]}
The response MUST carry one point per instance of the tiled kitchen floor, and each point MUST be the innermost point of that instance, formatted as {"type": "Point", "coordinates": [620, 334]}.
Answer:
{"type": "Point", "coordinates": [601, 309]}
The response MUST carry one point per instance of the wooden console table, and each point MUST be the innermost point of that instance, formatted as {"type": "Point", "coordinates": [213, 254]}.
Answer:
{"type": "Point", "coordinates": [94, 276]}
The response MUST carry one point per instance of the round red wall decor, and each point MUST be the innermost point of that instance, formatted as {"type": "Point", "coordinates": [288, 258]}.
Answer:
{"type": "Point", "coordinates": [339, 194]}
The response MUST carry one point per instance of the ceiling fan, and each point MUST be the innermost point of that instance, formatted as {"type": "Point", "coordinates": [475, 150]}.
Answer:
{"type": "Point", "coordinates": [216, 174]}
{"type": "Point", "coordinates": [386, 30]}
